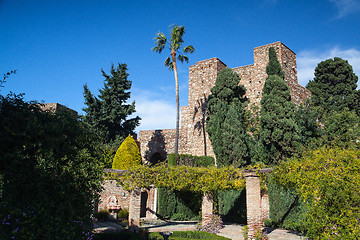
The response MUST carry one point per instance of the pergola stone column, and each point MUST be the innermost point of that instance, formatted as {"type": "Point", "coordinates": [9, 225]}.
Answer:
{"type": "Point", "coordinates": [134, 210]}
{"type": "Point", "coordinates": [253, 203]}
{"type": "Point", "coordinates": [207, 208]}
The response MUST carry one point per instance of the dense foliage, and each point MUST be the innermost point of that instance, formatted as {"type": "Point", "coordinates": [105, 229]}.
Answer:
{"type": "Point", "coordinates": [226, 123]}
{"type": "Point", "coordinates": [51, 177]}
{"type": "Point", "coordinates": [342, 128]}
{"type": "Point", "coordinates": [286, 209]}
{"type": "Point", "coordinates": [127, 156]}
{"type": "Point", "coordinates": [196, 179]}
{"type": "Point", "coordinates": [178, 205]}
{"type": "Point", "coordinates": [306, 119]}
{"type": "Point", "coordinates": [334, 86]}
{"type": "Point", "coordinates": [190, 160]}
{"type": "Point", "coordinates": [182, 205]}
{"type": "Point", "coordinates": [108, 114]}
{"type": "Point", "coordinates": [231, 205]}
{"type": "Point", "coordinates": [329, 180]}
{"type": "Point", "coordinates": [279, 133]}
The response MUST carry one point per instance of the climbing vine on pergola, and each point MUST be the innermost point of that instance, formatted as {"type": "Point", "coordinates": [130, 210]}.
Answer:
{"type": "Point", "coordinates": [196, 179]}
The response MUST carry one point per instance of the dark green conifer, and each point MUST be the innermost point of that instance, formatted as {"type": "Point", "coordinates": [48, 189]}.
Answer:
{"type": "Point", "coordinates": [279, 134]}
{"type": "Point", "coordinates": [274, 67]}
{"type": "Point", "coordinates": [226, 122]}
{"type": "Point", "coordinates": [108, 114]}
{"type": "Point", "coordinates": [235, 139]}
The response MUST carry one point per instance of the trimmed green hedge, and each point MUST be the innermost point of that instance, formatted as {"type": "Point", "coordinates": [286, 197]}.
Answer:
{"type": "Point", "coordinates": [178, 205]}
{"type": "Point", "coordinates": [286, 210]}
{"type": "Point", "coordinates": [232, 205]}
{"type": "Point", "coordinates": [187, 235]}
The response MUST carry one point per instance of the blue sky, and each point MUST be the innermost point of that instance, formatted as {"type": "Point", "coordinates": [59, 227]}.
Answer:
{"type": "Point", "coordinates": [58, 46]}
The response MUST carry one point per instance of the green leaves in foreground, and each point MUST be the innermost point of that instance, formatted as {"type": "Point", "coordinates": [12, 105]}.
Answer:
{"type": "Point", "coordinates": [330, 180]}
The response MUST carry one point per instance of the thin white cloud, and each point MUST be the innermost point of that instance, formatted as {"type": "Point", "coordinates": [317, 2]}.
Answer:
{"type": "Point", "coordinates": [308, 60]}
{"type": "Point", "coordinates": [346, 7]}
{"type": "Point", "coordinates": [154, 113]}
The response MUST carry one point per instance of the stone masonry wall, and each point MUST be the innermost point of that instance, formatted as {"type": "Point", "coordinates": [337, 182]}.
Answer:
{"type": "Point", "coordinates": [161, 142]}
{"type": "Point", "coordinates": [202, 77]}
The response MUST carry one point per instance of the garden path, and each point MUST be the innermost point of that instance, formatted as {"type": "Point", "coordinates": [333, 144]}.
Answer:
{"type": "Point", "coordinates": [230, 230]}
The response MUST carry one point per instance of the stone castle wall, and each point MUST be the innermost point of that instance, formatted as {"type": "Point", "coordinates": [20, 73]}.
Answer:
{"type": "Point", "coordinates": [202, 77]}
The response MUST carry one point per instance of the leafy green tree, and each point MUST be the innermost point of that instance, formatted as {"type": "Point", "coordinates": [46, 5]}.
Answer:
{"type": "Point", "coordinates": [279, 134]}
{"type": "Point", "coordinates": [108, 113]}
{"type": "Point", "coordinates": [174, 46]}
{"type": "Point", "coordinates": [334, 85]}
{"type": "Point", "coordinates": [127, 155]}
{"type": "Point", "coordinates": [51, 177]}
{"type": "Point", "coordinates": [226, 123]}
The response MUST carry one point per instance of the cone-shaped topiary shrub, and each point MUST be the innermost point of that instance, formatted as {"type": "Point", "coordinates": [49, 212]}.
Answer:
{"type": "Point", "coordinates": [127, 155]}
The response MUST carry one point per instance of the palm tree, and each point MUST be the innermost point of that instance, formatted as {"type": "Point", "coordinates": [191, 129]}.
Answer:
{"type": "Point", "coordinates": [176, 40]}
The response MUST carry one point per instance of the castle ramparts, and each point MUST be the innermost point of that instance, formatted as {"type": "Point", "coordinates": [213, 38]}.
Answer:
{"type": "Point", "coordinates": [193, 139]}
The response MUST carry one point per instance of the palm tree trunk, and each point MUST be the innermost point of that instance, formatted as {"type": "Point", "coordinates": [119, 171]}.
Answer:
{"type": "Point", "coordinates": [173, 54]}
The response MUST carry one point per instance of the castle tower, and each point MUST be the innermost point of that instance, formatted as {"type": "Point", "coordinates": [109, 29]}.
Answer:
{"type": "Point", "coordinates": [202, 77]}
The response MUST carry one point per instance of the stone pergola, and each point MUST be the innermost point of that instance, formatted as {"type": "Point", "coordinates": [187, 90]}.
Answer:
{"type": "Point", "coordinates": [257, 204]}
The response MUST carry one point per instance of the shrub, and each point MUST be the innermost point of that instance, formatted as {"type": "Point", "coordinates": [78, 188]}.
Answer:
{"type": "Point", "coordinates": [232, 205]}
{"type": "Point", "coordinates": [213, 226]}
{"type": "Point", "coordinates": [286, 210]}
{"type": "Point", "coordinates": [190, 160]}
{"type": "Point", "coordinates": [127, 155]}
{"type": "Point", "coordinates": [50, 171]}
{"type": "Point", "coordinates": [123, 214]}
{"type": "Point", "coordinates": [178, 205]}
{"type": "Point", "coordinates": [329, 180]}
{"type": "Point", "coordinates": [102, 215]}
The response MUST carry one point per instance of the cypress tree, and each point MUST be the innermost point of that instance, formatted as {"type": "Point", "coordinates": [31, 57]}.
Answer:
{"type": "Point", "coordinates": [279, 134]}
{"type": "Point", "coordinates": [108, 113]}
{"type": "Point", "coordinates": [274, 67]}
{"type": "Point", "coordinates": [226, 121]}
{"type": "Point", "coordinates": [235, 140]}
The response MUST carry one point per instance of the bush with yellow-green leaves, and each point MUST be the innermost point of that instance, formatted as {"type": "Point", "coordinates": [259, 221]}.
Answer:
{"type": "Point", "coordinates": [127, 156]}
{"type": "Point", "coordinates": [328, 181]}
